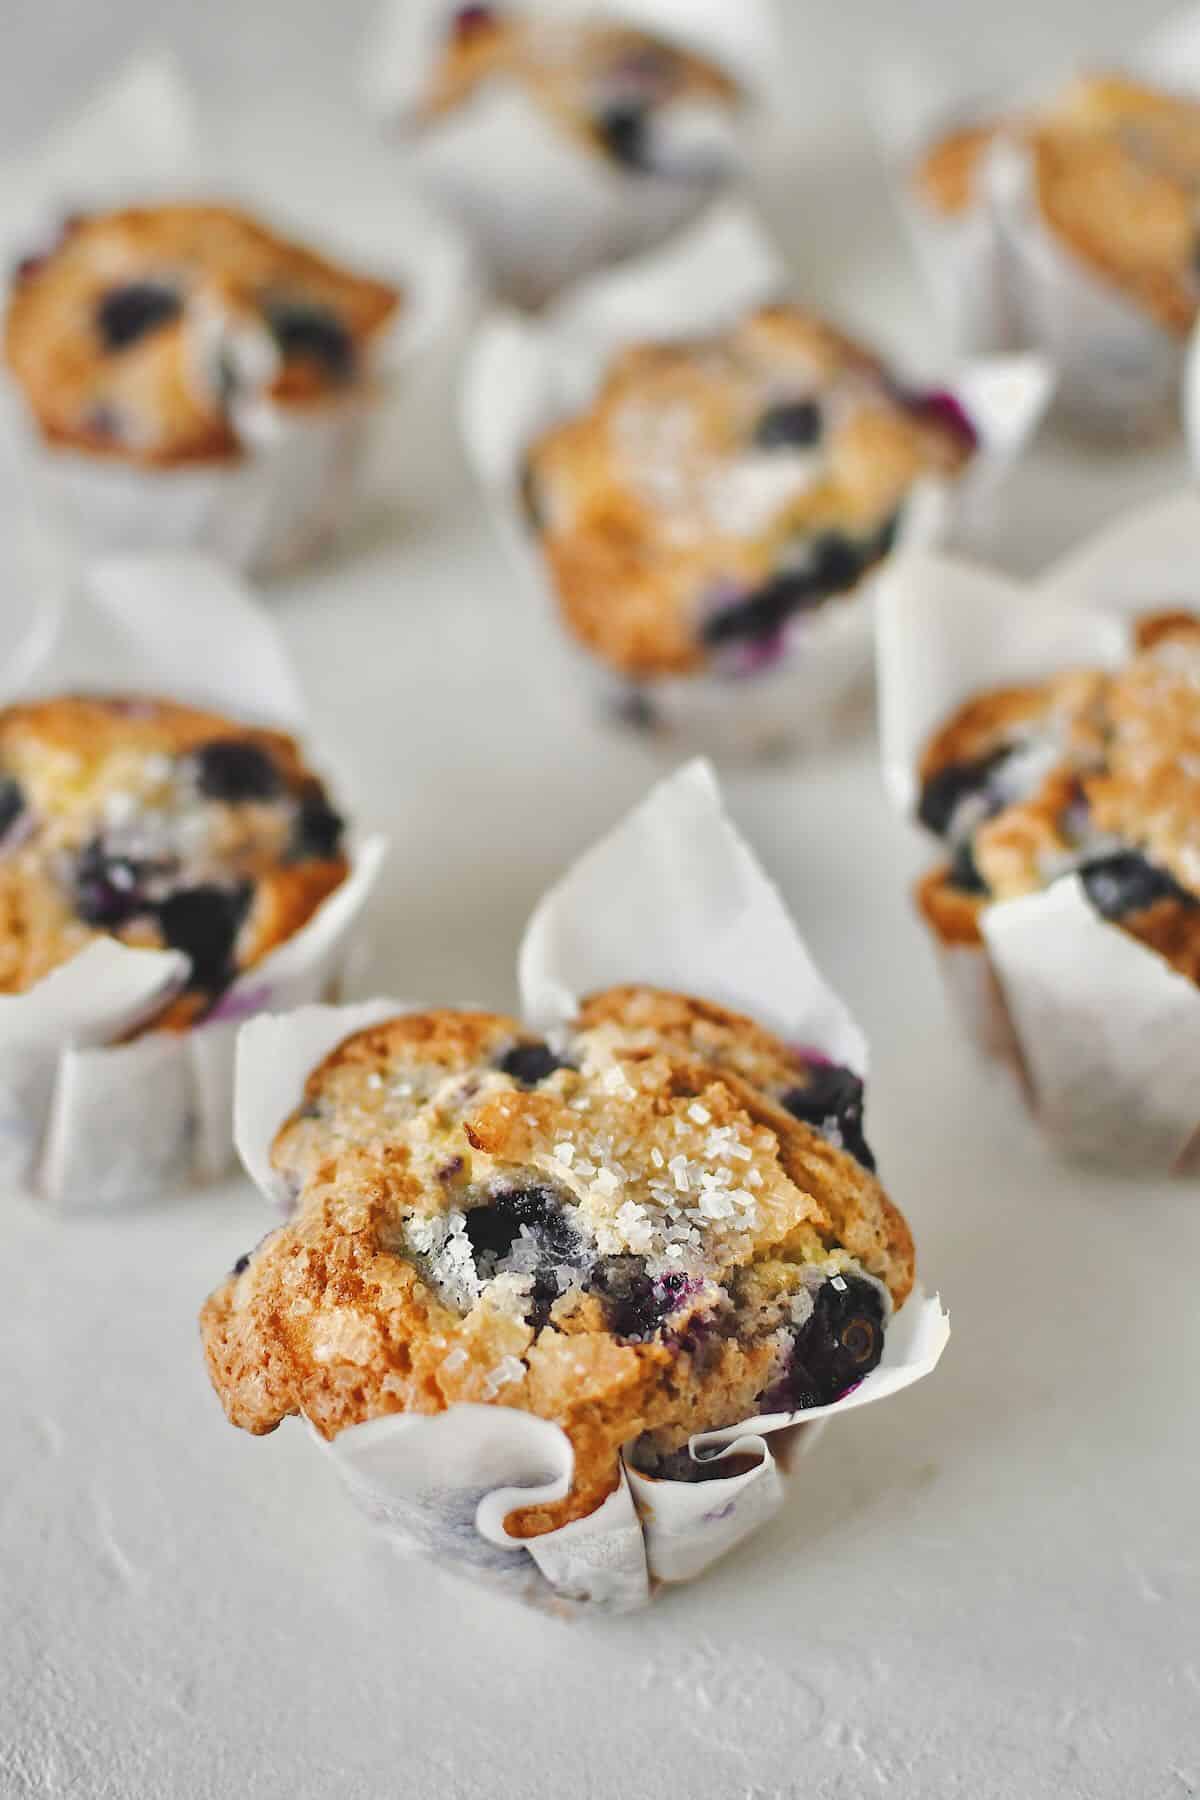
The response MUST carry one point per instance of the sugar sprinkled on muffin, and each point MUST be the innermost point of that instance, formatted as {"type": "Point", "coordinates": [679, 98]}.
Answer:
{"type": "Point", "coordinates": [660, 1222]}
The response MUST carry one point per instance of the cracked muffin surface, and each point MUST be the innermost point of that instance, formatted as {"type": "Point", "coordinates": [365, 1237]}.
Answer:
{"type": "Point", "coordinates": [140, 333]}
{"type": "Point", "coordinates": [623, 1229]}
{"type": "Point", "coordinates": [162, 826]}
{"type": "Point", "coordinates": [717, 491]}
{"type": "Point", "coordinates": [1093, 772]}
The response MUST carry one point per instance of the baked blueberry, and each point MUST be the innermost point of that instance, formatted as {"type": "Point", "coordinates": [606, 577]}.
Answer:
{"type": "Point", "coordinates": [108, 886]}
{"type": "Point", "coordinates": [318, 832]}
{"type": "Point", "coordinates": [790, 425]}
{"type": "Point", "coordinates": [12, 804]}
{"type": "Point", "coordinates": [493, 1230]}
{"type": "Point", "coordinates": [833, 564]}
{"type": "Point", "coordinates": [635, 1303]}
{"type": "Point", "coordinates": [468, 21]}
{"type": "Point", "coordinates": [232, 770]}
{"type": "Point", "coordinates": [204, 922]}
{"type": "Point", "coordinates": [947, 789]}
{"type": "Point", "coordinates": [946, 410]}
{"type": "Point", "coordinates": [530, 1063]}
{"type": "Point", "coordinates": [839, 1343]}
{"type": "Point", "coordinates": [624, 130]}
{"type": "Point", "coordinates": [1127, 883]}
{"type": "Point", "coordinates": [833, 1100]}
{"type": "Point", "coordinates": [494, 1227]}
{"type": "Point", "coordinates": [303, 329]}
{"type": "Point", "coordinates": [125, 314]}
{"type": "Point", "coordinates": [964, 871]}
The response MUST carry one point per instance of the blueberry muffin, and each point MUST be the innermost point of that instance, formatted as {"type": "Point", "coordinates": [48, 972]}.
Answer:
{"type": "Point", "coordinates": [607, 88]}
{"type": "Point", "coordinates": [162, 827]}
{"type": "Point", "coordinates": [140, 333]}
{"type": "Point", "coordinates": [1092, 772]}
{"type": "Point", "coordinates": [718, 491]}
{"type": "Point", "coordinates": [1117, 178]}
{"type": "Point", "coordinates": [663, 1221]}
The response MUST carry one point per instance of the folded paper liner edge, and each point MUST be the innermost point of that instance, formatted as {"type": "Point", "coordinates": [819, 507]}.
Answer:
{"type": "Point", "coordinates": [948, 629]}
{"type": "Point", "coordinates": [713, 904]}
{"type": "Point", "coordinates": [65, 1087]}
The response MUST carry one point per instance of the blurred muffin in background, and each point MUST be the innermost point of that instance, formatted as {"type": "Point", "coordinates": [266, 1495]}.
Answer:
{"type": "Point", "coordinates": [1117, 178]}
{"type": "Point", "coordinates": [161, 826]}
{"type": "Point", "coordinates": [721, 496]}
{"type": "Point", "coordinates": [190, 341]}
{"type": "Point", "coordinates": [563, 139]}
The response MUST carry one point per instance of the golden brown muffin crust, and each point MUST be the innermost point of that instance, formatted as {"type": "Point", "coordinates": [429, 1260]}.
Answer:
{"type": "Point", "coordinates": [107, 333]}
{"type": "Point", "coordinates": [1117, 176]}
{"type": "Point", "coordinates": [625, 1178]}
{"type": "Point", "coordinates": [108, 801]}
{"type": "Point", "coordinates": [705, 472]}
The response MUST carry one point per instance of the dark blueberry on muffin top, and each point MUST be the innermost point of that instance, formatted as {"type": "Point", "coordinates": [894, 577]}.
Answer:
{"type": "Point", "coordinates": [530, 1063]}
{"type": "Point", "coordinates": [303, 329]}
{"type": "Point", "coordinates": [839, 1343]}
{"type": "Point", "coordinates": [624, 130]}
{"type": "Point", "coordinates": [125, 314]}
{"type": "Point", "coordinates": [12, 804]}
{"type": "Point", "coordinates": [832, 1102]}
{"type": "Point", "coordinates": [970, 780]}
{"type": "Point", "coordinates": [204, 922]}
{"type": "Point", "coordinates": [1127, 883]}
{"type": "Point", "coordinates": [470, 21]}
{"type": "Point", "coordinates": [108, 885]}
{"type": "Point", "coordinates": [319, 829]}
{"type": "Point", "coordinates": [789, 425]}
{"type": "Point", "coordinates": [232, 770]}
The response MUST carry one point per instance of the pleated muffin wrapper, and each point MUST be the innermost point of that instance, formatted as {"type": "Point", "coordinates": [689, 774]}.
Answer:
{"type": "Point", "coordinates": [90, 1122]}
{"type": "Point", "coordinates": [1003, 279]}
{"type": "Point", "coordinates": [1100, 1032]}
{"type": "Point", "coordinates": [672, 897]}
{"type": "Point", "coordinates": [523, 376]}
{"type": "Point", "coordinates": [301, 474]}
{"type": "Point", "coordinates": [542, 208]}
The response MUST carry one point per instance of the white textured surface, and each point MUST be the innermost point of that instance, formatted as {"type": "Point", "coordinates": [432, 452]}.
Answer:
{"type": "Point", "coordinates": [990, 1587]}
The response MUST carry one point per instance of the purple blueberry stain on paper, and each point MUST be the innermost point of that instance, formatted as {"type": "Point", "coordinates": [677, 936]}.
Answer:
{"type": "Point", "coordinates": [242, 1003]}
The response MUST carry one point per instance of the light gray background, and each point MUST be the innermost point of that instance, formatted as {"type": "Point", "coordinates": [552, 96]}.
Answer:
{"type": "Point", "coordinates": [990, 1587]}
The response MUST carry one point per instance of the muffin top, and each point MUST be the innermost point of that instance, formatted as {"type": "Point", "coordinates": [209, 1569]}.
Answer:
{"type": "Point", "coordinates": [604, 85]}
{"type": "Point", "coordinates": [662, 1221]}
{"type": "Point", "coordinates": [161, 826]}
{"type": "Point", "coordinates": [717, 491]}
{"type": "Point", "coordinates": [140, 332]}
{"type": "Point", "coordinates": [1117, 173]}
{"type": "Point", "coordinates": [1087, 771]}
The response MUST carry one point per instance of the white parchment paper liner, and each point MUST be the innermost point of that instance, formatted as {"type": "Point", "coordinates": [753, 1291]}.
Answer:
{"type": "Point", "coordinates": [675, 898]}
{"type": "Point", "coordinates": [87, 1122]}
{"type": "Point", "coordinates": [522, 375]}
{"type": "Point", "coordinates": [1103, 1032]}
{"type": "Point", "coordinates": [541, 209]}
{"type": "Point", "coordinates": [1003, 280]}
{"type": "Point", "coordinates": [302, 472]}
